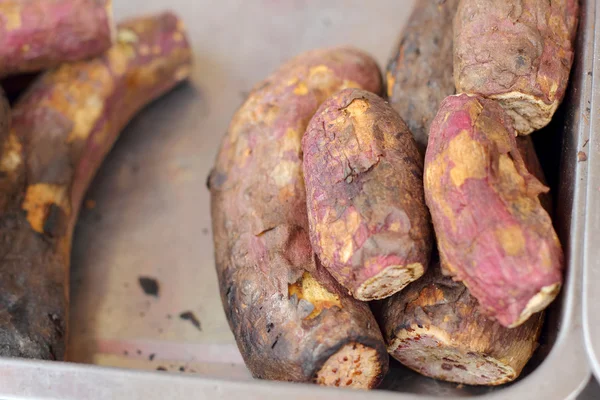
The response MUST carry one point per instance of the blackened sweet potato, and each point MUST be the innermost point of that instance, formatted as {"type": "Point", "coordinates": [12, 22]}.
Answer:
{"type": "Point", "coordinates": [518, 52]}
{"type": "Point", "coordinates": [419, 74]}
{"type": "Point", "coordinates": [435, 327]}
{"type": "Point", "coordinates": [41, 34]}
{"type": "Point", "coordinates": [62, 128]}
{"type": "Point", "coordinates": [367, 216]}
{"type": "Point", "coordinates": [493, 234]}
{"type": "Point", "coordinates": [291, 321]}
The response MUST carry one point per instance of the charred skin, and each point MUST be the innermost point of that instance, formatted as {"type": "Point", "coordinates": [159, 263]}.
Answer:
{"type": "Point", "coordinates": [419, 74]}
{"type": "Point", "coordinates": [291, 320]}
{"type": "Point", "coordinates": [41, 34]}
{"type": "Point", "coordinates": [62, 129]}
{"type": "Point", "coordinates": [518, 52]}
{"type": "Point", "coordinates": [493, 233]}
{"type": "Point", "coordinates": [436, 328]}
{"type": "Point", "coordinates": [367, 216]}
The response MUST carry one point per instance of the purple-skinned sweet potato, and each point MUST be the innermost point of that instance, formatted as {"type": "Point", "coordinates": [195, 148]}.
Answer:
{"type": "Point", "coordinates": [419, 73]}
{"type": "Point", "coordinates": [493, 233]}
{"type": "Point", "coordinates": [435, 327]}
{"type": "Point", "coordinates": [517, 52]}
{"type": "Point", "coordinates": [291, 320]}
{"type": "Point", "coordinates": [368, 220]}
{"type": "Point", "coordinates": [41, 34]}
{"type": "Point", "coordinates": [62, 129]}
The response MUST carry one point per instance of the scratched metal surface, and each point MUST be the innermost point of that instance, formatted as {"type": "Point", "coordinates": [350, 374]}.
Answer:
{"type": "Point", "coordinates": [148, 215]}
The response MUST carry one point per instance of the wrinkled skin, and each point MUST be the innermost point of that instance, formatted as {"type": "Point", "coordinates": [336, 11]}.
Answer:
{"type": "Point", "coordinates": [419, 73]}
{"type": "Point", "coordinates": [493, 233]}
{"type": "Point", "coordinates": [62, 129]}
{"type": "Point", "coordinates": [41, 34]}
{"type": "Point", "coordinates": [364, 184]}
{"type": "Point", "coordinates": [288, 315]}
{"type": "Point", "coordinates": [518, 52]}
{"type": "Point", "coordinates": [435, 327]}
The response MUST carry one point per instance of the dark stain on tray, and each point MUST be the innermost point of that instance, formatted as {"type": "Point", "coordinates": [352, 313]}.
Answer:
{"type": "Point", "coordinates": [151, 356]}
{"type": "Point", "coordinates": [190, 316]}
{"type": "Point", "coordinates": [161, 369]}
{"type": "Point", "coordinates": [149, 285]}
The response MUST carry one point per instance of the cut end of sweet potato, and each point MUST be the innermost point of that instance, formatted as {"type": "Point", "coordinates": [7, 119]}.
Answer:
{"type": "Point", "coordinates": [355, 366]}
{"type": "Point", "coordinates": [389, 281]}
{"type": "Point", "coordinates": [431, 353]}
{"type": "Point", "coordinates": [538, 303]}
{"type": "Point", "coordinates": [528, 113]}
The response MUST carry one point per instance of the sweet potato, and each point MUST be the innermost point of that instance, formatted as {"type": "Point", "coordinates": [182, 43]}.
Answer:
{"type": "Point", "coordinates": [518, 52]}
{"type": "Point", "coordinates": [493, 234]}
{"type": "Point", "coordinates": [435, 327]}
{"type": "Point", "coordinates": [62, 128]}
{"type": "Point", "coordinates": [291, 321]}
{"type": "Point", "coordinates": [41, 34]}
{"type": "Point", "coordinates": [419, 74]}
{"type": "Point", "coordinates": [367, 216]}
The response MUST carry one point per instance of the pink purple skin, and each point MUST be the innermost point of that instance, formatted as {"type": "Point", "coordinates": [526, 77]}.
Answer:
{"type": "Point", "coordinates": [363, 177]}
{"type": "Point", "coordinates": [41, 34]}
{"type": "Point", "coordinates": [515, 46]}
{"type": "Point", "coordinates": [260, 224]}
{"type": "Point", "coordinates": [493, 233]}
{"type": "Point", "coordinates": [62, 129]}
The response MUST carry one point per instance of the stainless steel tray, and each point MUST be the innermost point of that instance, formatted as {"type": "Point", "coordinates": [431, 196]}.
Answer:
{"type": "Point", "coordinates": [148, 215]}
{"type": "Point", "coordinates": [592, 230]}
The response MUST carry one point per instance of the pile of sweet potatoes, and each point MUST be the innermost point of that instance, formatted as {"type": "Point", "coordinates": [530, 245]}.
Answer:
{"type": "Point", "coordinates": [322, 199]}
{"type": "Point", "coordinates": [331, 188]}
{"type": "Point", "coordinates": [86, 78]}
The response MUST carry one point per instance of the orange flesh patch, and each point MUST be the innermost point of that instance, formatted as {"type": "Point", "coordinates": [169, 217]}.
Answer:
{"type": "Point", "coordinates": [309, 289]}
{"type": "Point", "coordinates": [511, 239]}
{"type": "Point", "coordinates": [39, 198]}
{"type": "Point", "coordinates": [11, 12]}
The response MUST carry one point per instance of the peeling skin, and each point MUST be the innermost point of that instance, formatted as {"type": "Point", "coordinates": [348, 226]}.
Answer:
{"type": "Point", "coordinates": [288, 315]}
{"type": "Point", "coordinates": [312, 291]}
{"type": "Point", "coordinates": [437, 328]}
{"type": "Point", "coordinates": [62, 128]}
{"type": "Point", "coordinates": [518, 52]}
{"type": "Point", "coordinates": [366, 209]}
{"type": "Point", "coordinates": [40, 34]}
{"type": "Point", "coordinates": [419, 74]}
{"type": "Point", "coordinates": [493, 232]}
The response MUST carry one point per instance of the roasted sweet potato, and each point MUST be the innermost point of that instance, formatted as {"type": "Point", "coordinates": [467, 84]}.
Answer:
{"type": "Point", "coordinates": [518, 52]}
{"type": "Point", "coordinates": [291, 321]}
{"type": "Point", "coordinates": [367, 216]}
{"type": "Point", "coordinates": [493, 234]}
{"type": "Point", "coordinates": [62, 128]}
{"type": "Point", "coordinates": [41, 34]}
{"type": "Point", "coordinates": [419, 73]}
{"type": "Point", "coordinates": [435, 327]}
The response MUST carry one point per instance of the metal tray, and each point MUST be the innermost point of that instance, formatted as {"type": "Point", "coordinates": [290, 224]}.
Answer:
{"type": "Point", "coordinates": [592, 249]}
{"type": "Point", "coordinates": [147, 214]}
